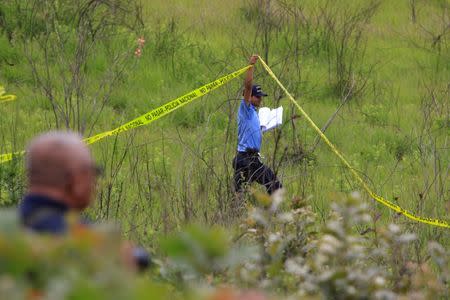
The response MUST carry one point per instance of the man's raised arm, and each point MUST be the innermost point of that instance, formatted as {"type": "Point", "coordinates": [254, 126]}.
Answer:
{"type": "Point", "coordinates": [249, 80]}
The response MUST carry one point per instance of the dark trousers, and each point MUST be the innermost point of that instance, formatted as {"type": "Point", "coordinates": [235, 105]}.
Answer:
{"type": "Point", "coordinates": [248, 168]}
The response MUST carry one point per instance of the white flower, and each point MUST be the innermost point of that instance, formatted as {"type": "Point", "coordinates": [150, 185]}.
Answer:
{"type": "Point", "coordinates": [331, 240]}
{"type": "Point", "coordinates": [407, 237]}
{"type": "Point", "coordinates": [286, 217]}
{"type": "Point", "coordinates": [277, 198]}
{"type": "Point", "coordinates": [293, 267]}
{"type": "Point", "coordinates": [379, 281]}
{"type": "Point", "coordinates": [274, 237]}
{"type": "Point", "coordinates": [394, 228]}
{"type": "Point", "coordinates": [355, 195]}
{"type": "Point", "coordinates": [327, 249]}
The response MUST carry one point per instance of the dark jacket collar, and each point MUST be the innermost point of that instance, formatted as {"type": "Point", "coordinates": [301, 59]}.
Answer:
{"type": "Point", "coordinates": [43, 214]}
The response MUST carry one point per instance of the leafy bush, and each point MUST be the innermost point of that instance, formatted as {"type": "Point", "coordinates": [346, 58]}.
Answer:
{"type": "Point", "coordinates": [85, 264]}
{"type": "Point", "coordinates": [281, 251]}
{"type": "Point", "coordinates": [278, 250]}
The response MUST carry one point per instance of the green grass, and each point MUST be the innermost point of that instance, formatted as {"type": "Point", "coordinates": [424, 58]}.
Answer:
{"type": "Point", "coordinates": [178, 169]}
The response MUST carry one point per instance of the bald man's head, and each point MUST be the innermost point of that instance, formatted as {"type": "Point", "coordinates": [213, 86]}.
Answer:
{"type": "Point", "coordinates": [60, 164]}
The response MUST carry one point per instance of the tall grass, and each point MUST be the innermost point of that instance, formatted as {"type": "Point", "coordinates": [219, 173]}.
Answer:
{"type": "Point", "coordinates": [178, 169]}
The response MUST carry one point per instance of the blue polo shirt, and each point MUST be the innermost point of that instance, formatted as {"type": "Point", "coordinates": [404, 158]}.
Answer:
{"type": "Point", "coordinates": [249, 129]}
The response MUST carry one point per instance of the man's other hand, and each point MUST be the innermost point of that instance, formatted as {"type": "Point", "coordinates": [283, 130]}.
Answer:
{"type": "Point", "coordinates": [253, 59]}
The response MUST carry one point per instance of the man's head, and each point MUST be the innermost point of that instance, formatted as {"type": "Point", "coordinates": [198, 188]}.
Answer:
{"type": "Point", "coordinates": [60, 165]}
{"type": "Point", "coordinates": [257, 95]}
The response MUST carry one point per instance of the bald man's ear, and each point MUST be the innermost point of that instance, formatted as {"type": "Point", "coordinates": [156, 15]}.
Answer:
{"type": "Point", "coordinates": [69, 187]}
{"type": "Point", "coordinates": [80, 190]}
{"type": "Point", "coordinates": [74, 189]}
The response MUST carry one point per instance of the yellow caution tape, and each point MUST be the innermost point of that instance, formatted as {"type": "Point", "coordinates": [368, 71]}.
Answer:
{"type": "Point", "coordinates": [9, 156]}
{"type": "Point", "coordinates": [380, 199]}
{"type": "Point", "coordinates": [154, 114]}
{"type": "Point", "coordinates": [5, 98]}
{"type": "Point", "coordinates": [167, 108]}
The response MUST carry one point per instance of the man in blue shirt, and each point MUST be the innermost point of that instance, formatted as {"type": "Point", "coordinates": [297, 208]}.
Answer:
{"type": "Point", "coordinates": [247, 163]}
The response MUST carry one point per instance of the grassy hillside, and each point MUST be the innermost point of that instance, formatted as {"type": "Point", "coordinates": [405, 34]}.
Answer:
{"type": "Point", "coordinates": [391, 72]}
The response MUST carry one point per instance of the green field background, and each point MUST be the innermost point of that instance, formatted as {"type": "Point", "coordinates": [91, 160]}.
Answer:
{"type": "Point", "coordinates": [177, 170]}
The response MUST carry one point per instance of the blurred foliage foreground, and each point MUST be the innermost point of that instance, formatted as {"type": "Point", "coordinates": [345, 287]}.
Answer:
{"type": "Point", "coordinates": [277, 253]}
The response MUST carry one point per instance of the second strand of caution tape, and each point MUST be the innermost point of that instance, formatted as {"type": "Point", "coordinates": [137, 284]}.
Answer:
{"type": "Point", "coordinates": [383, 201]}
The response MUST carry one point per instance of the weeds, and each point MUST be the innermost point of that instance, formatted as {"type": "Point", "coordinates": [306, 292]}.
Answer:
{"type": "Point", "coordinates": [178, 170]}
{"type": "Point", "coordinates": [281, 250]}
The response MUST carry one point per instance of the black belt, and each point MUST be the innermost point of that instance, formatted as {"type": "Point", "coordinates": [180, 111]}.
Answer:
{"type": "Point", "coordinates": [249, 151]}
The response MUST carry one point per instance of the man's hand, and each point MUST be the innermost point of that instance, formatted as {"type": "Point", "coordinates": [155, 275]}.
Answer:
{"type": "Point", "coordinates": [253, 59]}
{"type": "Point", "coordinates": [134, 258]}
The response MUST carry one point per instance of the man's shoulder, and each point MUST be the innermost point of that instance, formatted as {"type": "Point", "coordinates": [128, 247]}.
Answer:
{"type": "Point", "coordinates": [246, 106]}
{"type": "Point", "coordinates": [43, 214]}
{"type": "Point", "coordinates": [46, 221]}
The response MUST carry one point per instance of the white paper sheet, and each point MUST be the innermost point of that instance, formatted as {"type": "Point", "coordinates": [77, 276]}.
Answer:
{"type": "Point", "coordinates": [270, 118]}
